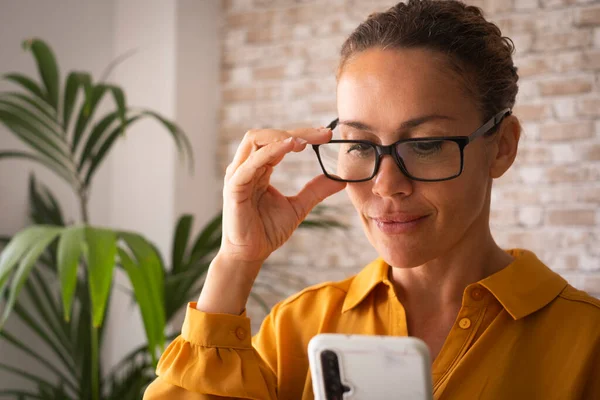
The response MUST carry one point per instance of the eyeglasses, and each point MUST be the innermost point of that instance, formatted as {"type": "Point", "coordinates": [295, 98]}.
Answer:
{"type": "Point", "coordinates": [430, 159]}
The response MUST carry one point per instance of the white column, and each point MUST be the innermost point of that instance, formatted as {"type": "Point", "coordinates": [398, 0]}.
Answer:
{"type": "Point", "coordinates": [176, 73]}
{"type": "Point", "coordinates": [143, 162]}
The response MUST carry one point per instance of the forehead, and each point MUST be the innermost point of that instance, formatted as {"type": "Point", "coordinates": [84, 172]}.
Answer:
{"type": "Point", "coordinates": [394, 85]}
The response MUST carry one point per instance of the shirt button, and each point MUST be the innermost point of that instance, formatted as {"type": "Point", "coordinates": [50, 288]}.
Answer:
{"type": "Point", "coordinates": [465, 323]}
{"type": "Point", "coordinates": [240, 333]}
{"type": "Point", "coordinates": [477, 294]}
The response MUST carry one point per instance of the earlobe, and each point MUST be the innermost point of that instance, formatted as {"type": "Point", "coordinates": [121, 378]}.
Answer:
{"type": "Point", "coordinates": [506, 146]}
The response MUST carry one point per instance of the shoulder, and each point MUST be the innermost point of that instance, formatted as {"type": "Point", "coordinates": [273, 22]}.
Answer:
{"type": "Point", "coordinates": [579, 299]}
{"type": "Point", "coordinates": [573, 307]}
{"type": "Point", "coordinates": [315, 302]}
{"type": "Point", "coordinates": [328, 291]}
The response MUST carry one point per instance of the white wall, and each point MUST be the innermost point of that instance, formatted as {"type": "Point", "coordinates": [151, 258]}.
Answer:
{"type": "Point", "coordinates": [142, 186]}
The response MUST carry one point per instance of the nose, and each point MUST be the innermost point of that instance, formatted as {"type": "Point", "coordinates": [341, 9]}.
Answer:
{"type": "Point", "coordinates": [390, 180]}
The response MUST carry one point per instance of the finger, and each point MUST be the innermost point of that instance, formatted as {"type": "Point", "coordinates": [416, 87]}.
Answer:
{"type": "Point", "coordinates": [267, 156]}
{"type": "Point", "coordinates": [314, 192]}
{"type": "Point", "coordinates": [310, 135]}
{"type": "Point", "coordinates": [248, 145]}
{"type": "Point", "coordinates": [256, 139]}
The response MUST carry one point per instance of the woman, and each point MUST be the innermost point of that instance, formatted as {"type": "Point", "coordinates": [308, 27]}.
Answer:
{"type": "Point", "coordinates": [499, 324]}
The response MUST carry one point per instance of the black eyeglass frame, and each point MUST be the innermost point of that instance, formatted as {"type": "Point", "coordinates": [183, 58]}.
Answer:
{"type": "Point", "coordinates": [461, 141]}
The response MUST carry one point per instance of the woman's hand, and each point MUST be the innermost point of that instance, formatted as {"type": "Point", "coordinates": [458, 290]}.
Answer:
{"type": "Point", "coordinates": [257, 219]}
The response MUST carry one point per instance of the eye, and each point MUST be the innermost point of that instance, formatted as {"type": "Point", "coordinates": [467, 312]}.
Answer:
{"type": "Point", "coordinates": [426, 148]}
{"type": "Point", "coordinates": [359, 149]}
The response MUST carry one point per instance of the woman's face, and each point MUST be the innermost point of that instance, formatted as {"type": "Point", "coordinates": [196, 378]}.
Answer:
{"type": "Point", "coordinates": [411, 222]}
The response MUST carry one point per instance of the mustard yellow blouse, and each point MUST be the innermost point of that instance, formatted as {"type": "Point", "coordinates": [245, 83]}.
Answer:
{"type": "Point", "coordinates": [522, 333]}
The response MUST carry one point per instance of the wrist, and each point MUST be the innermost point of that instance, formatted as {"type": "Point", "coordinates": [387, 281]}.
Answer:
{"type": "Point", "coordinates": [227, 286]}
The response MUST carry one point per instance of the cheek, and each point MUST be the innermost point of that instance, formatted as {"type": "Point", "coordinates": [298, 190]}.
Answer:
{"type": "Point", "coordinates": [464, 197]}
{"type": "Point", "coordinates": [359, 194]}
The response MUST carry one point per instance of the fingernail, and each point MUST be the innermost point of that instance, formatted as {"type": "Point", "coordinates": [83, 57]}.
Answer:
{"type": "Point", "coordinates": [324, 130]}
{"type": "Point", "coordinates": [300, 141]}
{"type": "Point", "coordinates": [288, 140]}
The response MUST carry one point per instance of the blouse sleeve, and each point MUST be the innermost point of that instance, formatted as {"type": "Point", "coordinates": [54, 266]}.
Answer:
{"type": "Point", "coordinates": [214, 357]}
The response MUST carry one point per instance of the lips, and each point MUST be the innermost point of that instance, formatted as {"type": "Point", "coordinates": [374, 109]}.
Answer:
{"type": "Point", "coordinates": [399, 222]}
{"type": "Point", "coordinates": [400, 218]}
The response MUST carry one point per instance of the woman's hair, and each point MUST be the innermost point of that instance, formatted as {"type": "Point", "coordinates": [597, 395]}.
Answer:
{"type": "Point", "coordinates": [475, 48]}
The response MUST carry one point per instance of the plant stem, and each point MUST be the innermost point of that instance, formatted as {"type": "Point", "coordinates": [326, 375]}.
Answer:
{"type": "Point", "coordinates": [83, 203]}
{"type": "Point", "coordinates": [94, 341]}
{"type": "Point", "coordinates": [94, 360]}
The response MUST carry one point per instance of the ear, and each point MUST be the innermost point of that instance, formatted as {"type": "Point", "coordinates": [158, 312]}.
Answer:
{"type": "Point", "coordinates": [504, 148]}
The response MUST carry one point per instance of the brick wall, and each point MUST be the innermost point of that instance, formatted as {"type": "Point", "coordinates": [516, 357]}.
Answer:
{"type": "Point", "coordinates": [279, 59]}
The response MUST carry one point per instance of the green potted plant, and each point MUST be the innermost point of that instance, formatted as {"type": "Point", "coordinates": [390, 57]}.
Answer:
{"type": "Point", "coordinates": [62, 132]}
{"type": "Point", "coordinates": [63, 135]}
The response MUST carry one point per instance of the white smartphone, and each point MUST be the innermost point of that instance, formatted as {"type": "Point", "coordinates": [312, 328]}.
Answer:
{"type": "Point", "coordinates": [368, 367]}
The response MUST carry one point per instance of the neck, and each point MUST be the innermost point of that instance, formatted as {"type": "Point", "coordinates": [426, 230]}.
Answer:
{"type": "Point", "coordinates": [439, 284]}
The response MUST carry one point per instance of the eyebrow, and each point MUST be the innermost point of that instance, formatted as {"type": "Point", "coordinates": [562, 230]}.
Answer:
{"type": "Point", "coordinates": [406, 125]}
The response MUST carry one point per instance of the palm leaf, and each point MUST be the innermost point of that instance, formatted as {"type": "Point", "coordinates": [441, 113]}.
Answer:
{"type": "Point", "coordinates": [119, 97]}
{"type": "Point", "coordinates": [51, 164]}
{"type": "Point", "coordinates": [86, 112]}
{"type": "Point", "coordinates": [137, 361]}
{"type": "Point", "coordinates": [148, 285]}
{"type": "Point", "coordinates": [207, 239]}
{"type": "Point", "coordinates": [180, 242]}
{"type": "Point", "coordinates": [21, 394]}
{"type": "Point", "coordinates": [94, 137]}
{"type": "Point", "coordinates": [179, 137]}
{"type": "Point", "coordinates": [26, 83]}
{"type": "Point", "coordinates": [46, 308]}
{"type": "Point", "coordinates": [113, 64]}
{"type": "Point", "coordinates": [24, 374]}
{"type": "Point", "coordinates": [182, 142]}
{"type": "Point", "coordinates": [38, 104]}
{"type": "Point", "coordinates": [182, 286]}
{"type": "Point", "coordinates": [75, 81]}
{"type": "Point", "coordinates": [98, 157]}
{"type": "Point", "coordinates": [186, 272]}
{"type": "Point", "coordinates": [101, 253]}
{"type": "Point", "coordinates": [43, 207]}
{"type": "Point", "coordinates": [48, 132]}
{"type": "Point", "coordinates": [53, 392]}
{"type": "Point", "coordinates": [47, 67]}
{"type": "Point", "coordinates": [143, 297]}
{"type": "Point", "coordinates": [53, 208]}
{"type": "Point", "coordinates": [14, 114]}
{"type": "Point", "coordinates": [39, 358]}
{"type": "Point", "coordinates": [130, 383]}
{"type": "Point", "coordinates": [81, 332]}
{"type": "Point", "coordinates": [16, 250]}
{"type": "Point", "coordinates": [69, 252]}
{"type": "Point", "coordinates": [28, 134]}
{"type": "Point", "coordinates": [35, 327]}
{"type": "Point", "coordinates": [89, 108]}
{"type": "Point", "coordinates": [34, 251]}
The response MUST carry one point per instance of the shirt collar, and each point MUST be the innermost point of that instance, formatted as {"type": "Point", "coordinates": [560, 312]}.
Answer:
{"type": "Point", "coordinates": [523, 287]}
{"type": "Point", "coordinates": [364, 282]}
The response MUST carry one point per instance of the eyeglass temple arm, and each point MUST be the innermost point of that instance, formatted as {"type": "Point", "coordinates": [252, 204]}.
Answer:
{"type": "Point", "coordinates": [333, 124]}
{"type": "Point", "coordinates": [493, 122]}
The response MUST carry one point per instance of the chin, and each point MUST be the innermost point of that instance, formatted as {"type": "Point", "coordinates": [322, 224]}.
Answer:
{"type": "Point", "coordinates": [402, 252]}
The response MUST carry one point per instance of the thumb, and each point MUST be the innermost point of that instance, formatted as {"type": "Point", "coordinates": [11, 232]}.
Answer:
{"type": "Point", "coordinates": [314, 192]}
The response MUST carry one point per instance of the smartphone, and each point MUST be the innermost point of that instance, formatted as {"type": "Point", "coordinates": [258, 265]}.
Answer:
{"type": "Point", "coordinates": [369, 367]}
